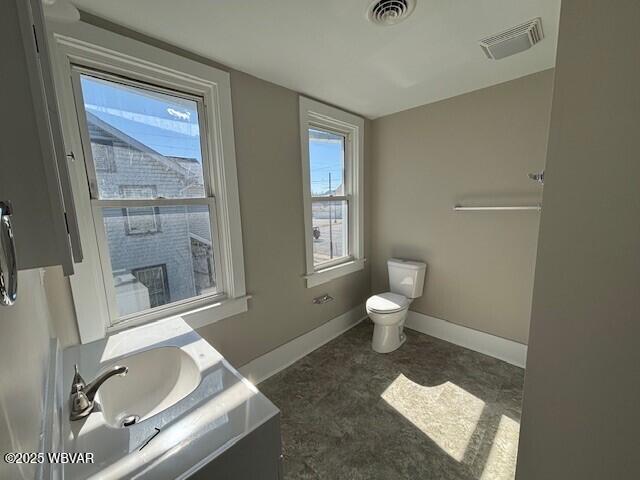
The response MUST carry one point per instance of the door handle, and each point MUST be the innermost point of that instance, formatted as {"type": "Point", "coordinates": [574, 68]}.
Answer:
{"type": "Point", "coordinates": [8, 262]}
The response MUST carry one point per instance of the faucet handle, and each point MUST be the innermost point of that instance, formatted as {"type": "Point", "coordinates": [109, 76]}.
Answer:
{"type": "Point", "coordinates": [78, 382]}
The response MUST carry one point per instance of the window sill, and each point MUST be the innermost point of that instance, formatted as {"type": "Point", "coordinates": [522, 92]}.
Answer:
{"type": "Point", "coordinates": [331, 273]}
{"type": "Point", "coordinates": [197, 316]}
{"type": "Point", "coordinates": [216, 312]}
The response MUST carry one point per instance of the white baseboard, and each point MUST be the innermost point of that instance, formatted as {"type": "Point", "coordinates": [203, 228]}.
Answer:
{"type": "Point", "coordinates": [271, 363]}
{"type": "Point", "coordinates": [512, 352]}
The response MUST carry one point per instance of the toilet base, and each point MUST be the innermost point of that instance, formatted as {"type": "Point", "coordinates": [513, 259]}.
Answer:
{"type": "Point", "coordinates": [386, 339]}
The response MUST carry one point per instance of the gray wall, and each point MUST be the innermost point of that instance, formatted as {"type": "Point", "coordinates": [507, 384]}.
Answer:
{"type": "Point", "coordinates": [582, 386]}
{"type": "Point", "coordinates": [24, 357]}
{"type": "Point", "coordinates": [269, 166]}
{"type": "Point", "coordinates": [269, 177]}
{"type": "Point", "coordinates": [477, 149]}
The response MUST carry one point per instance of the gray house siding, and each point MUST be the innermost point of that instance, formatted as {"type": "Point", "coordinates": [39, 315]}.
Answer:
{"type": "Point", "coordinates": [120, 164]}
{"type": "Point", "coordinates": [170, 246]}
{"type": "Point", "coordinates": [145, 237]}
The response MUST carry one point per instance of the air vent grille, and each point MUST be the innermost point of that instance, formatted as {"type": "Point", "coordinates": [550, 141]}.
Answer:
{"type": "Point", "coordinates": [513, 40]}
{"type": "Point", "coordinates": [390, 12]}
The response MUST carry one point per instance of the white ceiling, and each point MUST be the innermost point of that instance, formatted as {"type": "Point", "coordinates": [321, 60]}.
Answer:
{"type": "Point", "coordinates": [327, 48]}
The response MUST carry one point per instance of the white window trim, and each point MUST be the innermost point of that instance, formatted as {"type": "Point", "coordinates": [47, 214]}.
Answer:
{"type": "Point", "coordinates": [92, 47]}
{"type": "Point", "coordinates": [316, 114]}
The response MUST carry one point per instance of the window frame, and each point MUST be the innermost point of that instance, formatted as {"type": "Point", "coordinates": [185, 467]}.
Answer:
{"type": "Point", "coordinates": [345, 197]}
{"type": "Point", "coordinates": [97, 204]}
{"type": "Point", "coordinates": [317, 115]}
{"type": "Point", "coordinates": [80, 46]}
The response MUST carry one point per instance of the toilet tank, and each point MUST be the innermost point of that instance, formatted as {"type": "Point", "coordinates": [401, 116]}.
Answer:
{"type": "Point", "coordinates": [406, 277]}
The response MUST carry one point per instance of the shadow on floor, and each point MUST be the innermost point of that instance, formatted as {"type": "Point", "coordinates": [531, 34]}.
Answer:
{"type": "Point", "coordinates": [430, 410]}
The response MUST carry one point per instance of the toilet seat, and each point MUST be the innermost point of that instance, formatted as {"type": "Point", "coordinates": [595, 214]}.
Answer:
{"type": "Point", "coordinates": [387, 303]}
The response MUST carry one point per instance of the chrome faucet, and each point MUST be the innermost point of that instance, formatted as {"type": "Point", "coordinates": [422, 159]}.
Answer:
{"type": "Point", "coordinates": [82, 395]}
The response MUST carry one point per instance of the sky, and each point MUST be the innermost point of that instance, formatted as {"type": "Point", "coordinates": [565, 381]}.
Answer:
{"type": "Point", "coordinates": [326, 156]}
{"type": "Point", "coordinates": [169, 125]}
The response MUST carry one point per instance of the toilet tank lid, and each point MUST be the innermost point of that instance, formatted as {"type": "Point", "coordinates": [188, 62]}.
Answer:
{"type": "Point", "coordinates": [410, 264]}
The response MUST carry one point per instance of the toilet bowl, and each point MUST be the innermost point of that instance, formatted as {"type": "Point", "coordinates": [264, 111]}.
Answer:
{"type": "Point", "coordinates": [388, 311]}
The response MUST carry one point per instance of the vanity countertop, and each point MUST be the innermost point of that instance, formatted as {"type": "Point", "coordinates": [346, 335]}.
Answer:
{"type": "Point", "coordinates": [176, 442]}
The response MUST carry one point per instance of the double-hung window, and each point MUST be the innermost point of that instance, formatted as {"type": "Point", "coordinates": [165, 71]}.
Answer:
{"type": "Point", "coordinates": [158, 179]}
{"type": "Point", "coordinates": [155, 184]}
{"type": "Point", "coordinates": [332, 151]}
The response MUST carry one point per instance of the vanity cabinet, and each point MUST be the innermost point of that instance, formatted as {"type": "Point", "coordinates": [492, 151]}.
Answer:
{"type": "Point", "coordinates": [34, 173]}
{"type": "Point", "coordinates": [209, 422]}
{"type": "Point", "coordinates": [256, 456]}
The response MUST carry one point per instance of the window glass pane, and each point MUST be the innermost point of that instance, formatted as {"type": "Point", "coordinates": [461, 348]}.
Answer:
{"type": "Point", "coordinates": [140, 136]}
{"type": "Point", "coordinates": [159, 255]}
{"type": "Point", "coordinates": [326, 163]}
{"type": "Point", "coordinates": [330, 233]}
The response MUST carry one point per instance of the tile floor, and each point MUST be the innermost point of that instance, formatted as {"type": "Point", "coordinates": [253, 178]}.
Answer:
{"type": "Point", "coordinates": [430, 410]}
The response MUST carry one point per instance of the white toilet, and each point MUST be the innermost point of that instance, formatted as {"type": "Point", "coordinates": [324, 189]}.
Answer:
{"type": "Point", "coordinates": [388, 310]}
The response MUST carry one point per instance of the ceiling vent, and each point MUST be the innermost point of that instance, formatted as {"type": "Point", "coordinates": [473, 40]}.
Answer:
{"type": "Point", "coordinates": [513, 40]}
{"type": "Point", "coordinates": [390, 12]}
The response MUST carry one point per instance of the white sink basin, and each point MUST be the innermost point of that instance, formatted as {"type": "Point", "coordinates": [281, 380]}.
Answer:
{"type": "Point", "coordinates": [157, 379]}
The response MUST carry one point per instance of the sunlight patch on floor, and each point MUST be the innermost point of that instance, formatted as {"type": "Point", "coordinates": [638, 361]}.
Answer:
{"type": "Point", "coordinates": [446, 413]}
{"type": "Point", "coordinates": [501, 463]}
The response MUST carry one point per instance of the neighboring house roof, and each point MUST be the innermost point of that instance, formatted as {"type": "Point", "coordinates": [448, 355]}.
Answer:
{"type": "Point", "coordinates": [169, 162]}
{"type": "Point", "coordinates": [338, 191]}
{"type": "Point", "coordinates": [198, 222]}
{"type": "Point", "coordinates": [185, 161]}
{"type": "Point", "coordinates": [200, 227]}
{"type": "Point", "coordinates": [200, 239]}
